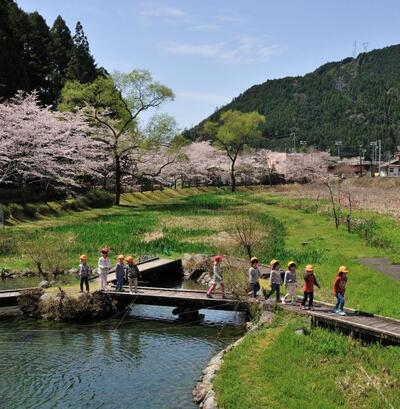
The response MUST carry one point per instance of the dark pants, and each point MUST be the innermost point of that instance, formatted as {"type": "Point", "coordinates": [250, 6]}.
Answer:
{"type": "Point", "coordinates": [86, 281]}
{"type": "Point", "coordinates": [275, 288]}
{"type": "Point", "coordinates": [308, 296]}
{"type": "Point", "coordinates": [254, 287]}
{"type": "Point", "coordinates": [339, 301]}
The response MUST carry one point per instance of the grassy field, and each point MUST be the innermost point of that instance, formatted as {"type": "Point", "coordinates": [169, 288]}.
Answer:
{"type": "Point", "coordinates": [171, 223]}
{"type": "Point", "coordinates": [275, 368]}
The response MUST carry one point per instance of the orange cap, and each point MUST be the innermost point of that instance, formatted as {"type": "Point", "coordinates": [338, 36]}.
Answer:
{"type": "Point", "coordinates": [310, 268]}
{"type": "Point", "coordinates": [343, 269]}
{"type": "Point", "coordinates": [83, 257]}
{"type": "Point", "coordinates": [130, 259]}
{"type": "Point", "coordinates": [273, 262]}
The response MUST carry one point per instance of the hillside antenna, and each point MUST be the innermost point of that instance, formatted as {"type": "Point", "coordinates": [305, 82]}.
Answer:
{"type": "Point", "coordinates": [355, 49]}
{"type": "Point", "coordinates": [365, 46]}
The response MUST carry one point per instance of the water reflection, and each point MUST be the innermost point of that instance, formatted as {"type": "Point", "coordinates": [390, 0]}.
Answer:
{"type": "Point", "coordinates": [112, 364]}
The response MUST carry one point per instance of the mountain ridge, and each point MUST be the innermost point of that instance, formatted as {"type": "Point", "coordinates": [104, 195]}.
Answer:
{"type": "Point", "coordinates": [355, 101]}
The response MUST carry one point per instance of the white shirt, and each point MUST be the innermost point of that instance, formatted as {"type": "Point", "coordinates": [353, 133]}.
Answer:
{"type": "Point", "coordinates": [104, 265]}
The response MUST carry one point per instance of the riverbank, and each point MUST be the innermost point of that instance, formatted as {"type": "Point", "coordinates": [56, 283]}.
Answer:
{"type": "Point", "coordinates": [290, 365]}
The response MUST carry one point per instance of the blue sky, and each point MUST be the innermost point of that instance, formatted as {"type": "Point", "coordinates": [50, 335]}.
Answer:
{"type": "Point", "coordinates": [210, 51]}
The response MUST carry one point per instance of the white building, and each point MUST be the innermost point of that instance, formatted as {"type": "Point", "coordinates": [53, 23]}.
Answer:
{"type": "Point", "coordinates": [391, 168]}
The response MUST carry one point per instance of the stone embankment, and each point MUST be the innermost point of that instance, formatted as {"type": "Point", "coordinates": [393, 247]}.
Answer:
{"type": "Point", "coordinates": [203, 393]}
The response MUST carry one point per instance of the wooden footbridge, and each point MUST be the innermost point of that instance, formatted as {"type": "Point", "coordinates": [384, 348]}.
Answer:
{"type": "Point", "coordinates": [358, 324]}
{"type": "Point", "coordinates": [187, 303]}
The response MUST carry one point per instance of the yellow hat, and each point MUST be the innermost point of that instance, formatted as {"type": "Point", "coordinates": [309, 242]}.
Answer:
{"type": "Point", "coordinates": [310, 268]}
{"type": "Point", "coordinates": [343, 269]}
{"type": "Point", "coordinates": [273, 262]}
{"type": "Point", "coordinates": [83, 257]}
{"type": "Point", "coordinates": [120, 257]}
{"type": "Point", "coordinates": [130, 259]}
{"type": "Point", "coordinates": [291, 263]}
{"type": "Point", "coordinates": [254, 260]}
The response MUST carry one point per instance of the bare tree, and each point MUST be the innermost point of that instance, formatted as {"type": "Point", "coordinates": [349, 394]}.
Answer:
{"type": "Point", "coordinates": [248, 233]}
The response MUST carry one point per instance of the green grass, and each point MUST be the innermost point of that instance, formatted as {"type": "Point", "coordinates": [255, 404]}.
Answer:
{"type": "Point", "coordinates": [274, 368]}
{"type": "Point", "coordinates": [171, 223]}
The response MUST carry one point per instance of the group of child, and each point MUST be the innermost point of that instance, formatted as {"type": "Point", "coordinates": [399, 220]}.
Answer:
{"type": "Point", "coordinates": [259, 281]}
{"type": "Point", "coordinates": [128, 271]}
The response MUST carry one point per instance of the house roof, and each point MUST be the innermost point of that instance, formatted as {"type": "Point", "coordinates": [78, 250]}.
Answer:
{"type": "Point", "coordinates": [393, 162]}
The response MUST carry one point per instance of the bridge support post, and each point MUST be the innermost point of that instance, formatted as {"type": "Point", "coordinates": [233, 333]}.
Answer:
{"type": "Point", "coordinates": [187, 314]}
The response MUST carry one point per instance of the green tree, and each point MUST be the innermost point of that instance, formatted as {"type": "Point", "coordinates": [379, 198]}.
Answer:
{"type": "Point", "coordinates": [61, 45]}
{"type": "Point", "coordinates": [114, 106]}
{"type": "Point", "coordinates": [39, 63]}
{"type": "Point", "coordinates": [81, 66]}
{"type": "Point", "coordinates": [11, 65]}
{"type": "Point", "coordinates": [233, 132]}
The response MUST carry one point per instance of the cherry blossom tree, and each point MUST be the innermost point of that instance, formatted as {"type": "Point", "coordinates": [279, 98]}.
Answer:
{"type": "Point", "coordinates": [38, 146]}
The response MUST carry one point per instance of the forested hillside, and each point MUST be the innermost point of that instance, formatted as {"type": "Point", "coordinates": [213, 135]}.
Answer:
{"type": "Point", "coordinates": [36, 57]}
{"type": "Point", "coordinates": [355, 101]}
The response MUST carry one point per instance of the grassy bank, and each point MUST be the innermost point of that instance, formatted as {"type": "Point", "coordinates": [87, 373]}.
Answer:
{"type": "Point", "coordinates": [171, 223]}
{"type": "Point", "coordinates": [276, 368]}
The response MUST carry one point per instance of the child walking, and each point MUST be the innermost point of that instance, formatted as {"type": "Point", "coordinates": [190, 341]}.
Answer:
{"type": "Point", "coordinates": [309, 282]}
{"type": "Point", "coordinates": [275, 281]}
{"type": "Point", "coordinates": [120, 272]}
{"type": "Point", "coordinates": [254, 275]}
{"type": "Point", "coordinates": [104, 267]}
{"type": "Point", "coordinates": [132, 274]}
{"type": "Point", "coordinates": [290, 283]}
{"type": "Point", "coordinates": [339, 288]}
{"type": "Point", "coordinates": [217, 277]}
{"type": "Point", "coordinates": [84, 272]}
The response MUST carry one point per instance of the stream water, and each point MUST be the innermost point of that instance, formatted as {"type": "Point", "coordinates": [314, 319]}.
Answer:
{"type": "Point", "coordinates": [138, 362]}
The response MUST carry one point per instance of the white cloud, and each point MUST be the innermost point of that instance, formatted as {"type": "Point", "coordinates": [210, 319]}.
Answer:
{"type": "Point", "coordinates": [245, 49]}
{"type": "Point", "coordinates": [156, 10]}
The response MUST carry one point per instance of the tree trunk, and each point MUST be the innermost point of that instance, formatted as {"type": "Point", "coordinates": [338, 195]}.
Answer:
{"type": "Point", "coordinates": [117, 180]}
{"type": "Point", "coordinates": [233, 177]}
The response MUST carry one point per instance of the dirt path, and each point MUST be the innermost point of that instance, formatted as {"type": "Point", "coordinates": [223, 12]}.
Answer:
{"type": "Point", "coordinates": [383, 265]}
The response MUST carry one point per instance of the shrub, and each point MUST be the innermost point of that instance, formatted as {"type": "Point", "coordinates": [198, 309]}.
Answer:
{"type": "Point", "coordinates": [16, 211]}
{"type": "Point", "coordinates": [46, 250]}
{"type": "Point", "coordinates": [99, 198]}
{"type": "Point", "coordinates": [30, 210]}
{"type": "Point", "coordinates": [45, 210]}
{"type": "Point", "coordinates": [6, 212]}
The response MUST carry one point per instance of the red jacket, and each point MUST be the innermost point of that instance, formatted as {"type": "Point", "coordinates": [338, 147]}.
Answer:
{"type": "Point", "coordinates": [339, 285]}
{"type": "Point", "coordinates": [309, 282]}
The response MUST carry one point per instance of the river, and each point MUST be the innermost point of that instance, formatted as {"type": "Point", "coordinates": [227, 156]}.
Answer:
{"type": "Point", "coordinates": [147, 360]}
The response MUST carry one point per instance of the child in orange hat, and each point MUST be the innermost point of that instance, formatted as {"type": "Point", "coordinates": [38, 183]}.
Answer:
{"type": "Point", "coordinates": [132, 274]}
{"type": "Point", "coordinates": [309, 282]}
{"type": "Point", "coordinates": [84, 272]}
{"type": "Point", "coordinates": [120, 272]}
{"type": "Point", "coordinates": [104, 267]}
{"type": "Point", "coordinates": [339, 288]}
{"type": "Point", "coordinates": [217, 277]}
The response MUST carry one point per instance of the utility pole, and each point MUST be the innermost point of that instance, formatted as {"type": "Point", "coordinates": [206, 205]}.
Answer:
{"type": "Point", "coordinates": [339, 145]}
{"type": "Point", "coordinates": [293, 135]}
{"type": "Point", "coordinates": [362, 151]}
{"type": "Point", "coordinates": [379, 155]}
